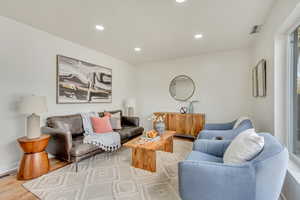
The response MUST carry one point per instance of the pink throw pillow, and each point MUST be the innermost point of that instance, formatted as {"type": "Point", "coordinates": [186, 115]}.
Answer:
{"type": "Point", "coordinates": [101, 125]}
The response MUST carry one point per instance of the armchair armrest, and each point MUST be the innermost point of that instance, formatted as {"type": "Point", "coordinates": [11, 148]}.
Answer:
{"type": "Point", "coordinates": [210, 134]}
{"type": "Point", "coordinates": [130, 121]}
{"type": "Point", "coordinates": [212, 147]}
{"type": "Point", "coordinates": [60, 142]}
{"type": "Point", "coordinates": [220, 126]}
{"type": "Point", "coordinates": [216, 181]}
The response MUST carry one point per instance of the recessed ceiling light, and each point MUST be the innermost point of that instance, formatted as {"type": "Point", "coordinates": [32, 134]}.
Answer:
{"type": "Point", "coordinates": [180, 1]}
{"type": "Point", "coordinates": [100, 27]}
{"type": "Point", "coordinates": [137, 49]}
{"type": "Point", "coordinates": [198, 36]}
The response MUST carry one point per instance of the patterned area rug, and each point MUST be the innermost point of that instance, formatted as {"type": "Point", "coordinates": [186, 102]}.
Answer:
{"type": "Point", "coordinates": [109, 176]}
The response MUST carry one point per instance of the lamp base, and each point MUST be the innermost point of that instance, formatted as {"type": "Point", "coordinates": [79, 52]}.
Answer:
{"type": "Point", "coordinates": [130, 111]}
{"type": "Point", "coordinates": [33, 126]}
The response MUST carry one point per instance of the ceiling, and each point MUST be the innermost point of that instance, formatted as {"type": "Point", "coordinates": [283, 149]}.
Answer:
{"type": "Point", "coordinates": [163, 29]}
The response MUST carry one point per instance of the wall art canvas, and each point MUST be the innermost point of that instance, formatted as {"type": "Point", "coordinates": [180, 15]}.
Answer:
{"type": "Point", "coordinates": [254, 82]}
{"type": "Point", "coordinates": [82, 82]}
{"type": "Point", "coordinates": [262, 78]}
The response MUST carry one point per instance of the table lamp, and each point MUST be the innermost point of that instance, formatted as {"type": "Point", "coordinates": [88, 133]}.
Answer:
{"type": "Point", "coordinates": [130, 105]}
{"type": "Point", "coordinates": [33, 105]}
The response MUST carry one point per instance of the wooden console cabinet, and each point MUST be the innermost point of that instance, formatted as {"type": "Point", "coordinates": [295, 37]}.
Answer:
{"type": "Point", "coordinates": [184, 124]}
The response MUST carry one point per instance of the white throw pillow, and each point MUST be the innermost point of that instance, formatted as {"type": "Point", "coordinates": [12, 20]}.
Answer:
{"type": "Point", "coordinates": [115, 121]}
{"type": "Point", "coordinates": [244, 147]}
{"type": "Point", "coordinates": [239, 121]}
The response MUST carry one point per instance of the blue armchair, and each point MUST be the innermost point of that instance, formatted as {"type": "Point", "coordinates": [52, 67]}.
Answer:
{"type": "Point", "coordinates": [203, 175]}
{"type": "Point", "coordinates": [224, 130]}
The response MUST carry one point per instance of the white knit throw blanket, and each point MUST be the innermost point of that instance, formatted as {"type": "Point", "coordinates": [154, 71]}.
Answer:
{"type": "Point", "coordinates": [106, 141]}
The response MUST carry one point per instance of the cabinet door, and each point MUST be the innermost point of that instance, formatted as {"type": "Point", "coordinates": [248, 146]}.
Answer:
{"type": "Point", "coordinates": [189, 124]}
{"type": "Point", "coordinates": [181, 122]}
{"type": "Point", "coordinates": [172, 118]}
{"type": "Point", "coordinates": [198, 124]}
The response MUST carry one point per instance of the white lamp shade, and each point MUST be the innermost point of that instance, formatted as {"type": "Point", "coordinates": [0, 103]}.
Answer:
{"type": "Point", "coordinates": [33, 104]}
{"type": "Point", "coordinates": [130, 103]}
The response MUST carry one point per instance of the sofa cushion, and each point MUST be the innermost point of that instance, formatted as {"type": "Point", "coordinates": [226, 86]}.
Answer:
{"type": "Point", "coordinates": [244, 147]}
{"type": "Point", "coordinates": [101, 124]}
{"type": "Point", "coordinates": [115, 123]}
{"type": "Point", "coordinates": [130, 131]}
{"type": "Point", "coordinates": [71, 122]}
{"type": "Point", "coordinates": [79, 148]}
{"type": "Point", "coordinates": [199, 156]}
{"type": "Point", "coordinates": [239, 121]}
{"type": "Point", "coordinates": [115, 120]}
{"type": "Point", "coordinates": [102, 114]}
{"type": "Point", "coordinates": [271, 147]}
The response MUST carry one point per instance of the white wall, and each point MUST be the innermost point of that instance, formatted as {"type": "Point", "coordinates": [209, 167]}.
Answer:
{"type": "Point", "coordinates": [28, 66]}
{"type": "Point", "coordinates": [222, 85]}
{"type": "Point", "coordinates": [270, 113]}
{"type": "Point", "coordinates": [263, 108]}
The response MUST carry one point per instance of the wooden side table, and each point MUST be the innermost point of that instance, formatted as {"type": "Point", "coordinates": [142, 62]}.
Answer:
{"type": "Point", "coordinates": [35, 160]}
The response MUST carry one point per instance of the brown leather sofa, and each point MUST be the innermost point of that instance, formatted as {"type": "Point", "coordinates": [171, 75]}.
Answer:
{"type": "Point", "coordinates": [66, 142]}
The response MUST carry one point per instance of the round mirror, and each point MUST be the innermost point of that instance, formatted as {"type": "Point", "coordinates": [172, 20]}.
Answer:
{"type": "Point", "coordinates": [182, 88]}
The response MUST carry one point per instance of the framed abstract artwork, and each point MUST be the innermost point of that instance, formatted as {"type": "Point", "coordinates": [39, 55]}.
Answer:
{"type": "Point", "coordinates": [259, 79]}
{"type": "Point", "coordinates": [262, 78]}
{"type": "Point", "coordinates": [254, 82]}
{"type": "Point", "coordinates": [82, 82]}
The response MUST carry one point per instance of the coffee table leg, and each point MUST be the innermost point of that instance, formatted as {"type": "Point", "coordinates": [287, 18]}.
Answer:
{"type": "Point", "coordinates": [168, 146]}
{"type": "Point", "coordinates": [144, 159]}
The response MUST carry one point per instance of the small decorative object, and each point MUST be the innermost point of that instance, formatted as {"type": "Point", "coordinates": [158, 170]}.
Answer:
{"type": "Point", "coordinates": [141, 140]}
{"type": "Point", "coordinates": [33, 105]}
{"type": "Point", "coordinates": [259, 78]}
{"type": "Point", "coordinates": [145, 139]}
{"type": "Point", "coordinates": [160, 127]}
{"type": "Point", "coordinates": [152, 134]}
{"type": "Point", "coordinates": [159, 123]}
{"type": "Point", "coordinates": [82, 82]}
{"type": "Point", "coordinates": [130, 105]}
{"type": "Point", "coordinates": [191, 106]}
{"type": "Point", "coordinates": [183, 110]}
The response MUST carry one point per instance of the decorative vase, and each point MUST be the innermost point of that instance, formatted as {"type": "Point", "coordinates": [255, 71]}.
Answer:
{"type": "Point", "coordinates": [160, 127]}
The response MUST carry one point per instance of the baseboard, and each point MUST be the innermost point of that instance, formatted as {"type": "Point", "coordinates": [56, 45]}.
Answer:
{"type": "Point", "coordinates": [283, 197]}
{"type": "Point", "coordinates": [6, 171]}
{"type": "Point", "coordinates": [14, 167]}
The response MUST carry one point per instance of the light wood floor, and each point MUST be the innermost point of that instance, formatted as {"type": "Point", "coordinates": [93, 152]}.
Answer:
{"type": "Point", "coordinates": [12, 189]}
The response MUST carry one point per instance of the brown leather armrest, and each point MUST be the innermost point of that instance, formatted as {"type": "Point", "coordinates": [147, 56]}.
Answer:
{"type": "Point", "coordinates": [60, 142]}
{"type": "Point", "coordinates": [130, 121]}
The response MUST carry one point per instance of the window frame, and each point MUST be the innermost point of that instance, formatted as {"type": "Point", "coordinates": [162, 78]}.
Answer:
{"type": "Point", "coordinates": [292, 91]}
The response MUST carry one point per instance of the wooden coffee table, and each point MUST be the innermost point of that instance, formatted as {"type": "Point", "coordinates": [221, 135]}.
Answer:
{"type": "Point", "coordinates": [143, 156]}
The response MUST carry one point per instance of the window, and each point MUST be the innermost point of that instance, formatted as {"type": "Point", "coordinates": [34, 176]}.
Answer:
{"type": "Point", "coordinates": [294, 136]}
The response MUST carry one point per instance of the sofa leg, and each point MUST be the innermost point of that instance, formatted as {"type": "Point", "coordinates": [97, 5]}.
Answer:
{"type": "Point", "coordinates": [76, 166]}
